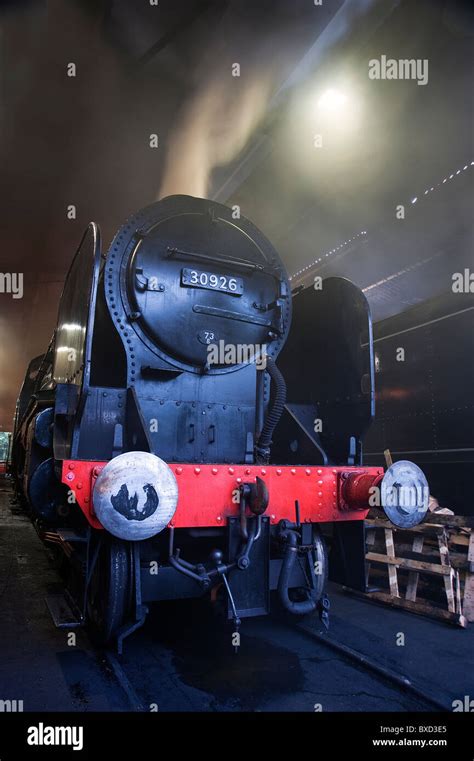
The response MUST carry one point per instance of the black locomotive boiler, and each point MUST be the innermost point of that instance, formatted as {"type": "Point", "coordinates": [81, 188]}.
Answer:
{"type": "Point", "coordinates": [163, 453]}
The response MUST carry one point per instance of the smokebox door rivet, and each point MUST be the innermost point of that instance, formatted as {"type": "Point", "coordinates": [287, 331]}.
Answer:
{"type": "Point", "coordinates": [293, 471]}
{"type": "Point", "coordinates": [308, 472]}
{"type": "Point", "coordinates": [197, 471]}
{"type": "Point", "coordinates": [319, 471]}
{"type": "Point", "coordinates": [178, 471]}
{"type": "Point", "coordinates": [71, 466]}
{"type": "Point", "coordinates": [214, 471]}
{"type": "Point", "coordinates": [278, 472]}
{"type": "Point", "coordinates": [263, 472]}
{"type": "Point", "coordinates": [219, 517]}
{"type": "Point", "coordinates": [231, 471]}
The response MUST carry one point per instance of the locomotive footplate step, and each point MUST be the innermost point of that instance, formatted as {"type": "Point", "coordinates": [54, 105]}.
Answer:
{"type": "Point", "coordinates": [62, 611]}
{"type": "Point", "coordinates": [250, 591]}
{"type": "Point", "coordinates": [67, 535]}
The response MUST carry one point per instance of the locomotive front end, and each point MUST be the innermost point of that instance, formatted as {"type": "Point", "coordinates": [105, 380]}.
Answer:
{"type": "Point", "coordinates": [200, 425]}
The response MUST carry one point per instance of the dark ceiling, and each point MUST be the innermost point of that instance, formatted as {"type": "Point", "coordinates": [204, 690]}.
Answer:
{"type": "Point", "coordinates": [144, 69]}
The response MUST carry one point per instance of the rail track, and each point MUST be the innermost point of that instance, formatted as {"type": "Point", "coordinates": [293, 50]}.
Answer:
{"type": "Point", "coordinates": [360, 683]}
{"type": "Point", "coordinates": [183, 659]}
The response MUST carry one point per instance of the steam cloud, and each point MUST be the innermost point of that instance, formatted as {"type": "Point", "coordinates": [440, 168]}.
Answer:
{"type": "Point", "coordinates": [224, 110]}
{"type": "Point", "coordinates": [214, 129]}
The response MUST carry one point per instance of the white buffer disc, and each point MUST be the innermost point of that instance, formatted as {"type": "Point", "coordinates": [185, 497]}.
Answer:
{"type": "Point", "coordinates": [135, 496]}
{"type": "Point", "coordinates": [405, 494]}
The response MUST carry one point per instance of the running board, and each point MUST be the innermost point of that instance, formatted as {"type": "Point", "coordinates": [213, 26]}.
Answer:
{"type": "Point", "coordinates": [62, 611]}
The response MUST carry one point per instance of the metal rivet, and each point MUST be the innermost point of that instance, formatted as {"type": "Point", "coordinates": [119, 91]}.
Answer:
{"type": "Point", "coordinates": [278, 472]}
{"type": "Point", "coordinates": [178, 471]}
{"type": "Point", "coordinates": [219, 517]}
{"type": "Point", "coordinates": [247, 471]}
{"type": "Point", "coordinates": [320, 483]}
{"type": "Point", "coordinates": [70, 476]}
{"type": "Point", "coordinates": [78, 486]}
{"type": "Point", "coordinates": [231, 471]}
{"type": "Point", "coordinates": [293, 471]}
{"type": "Point", "coordinates": [239, 480]}
{"type": "Point", "coordinates": [320, 494]}
{"type": "Point", "coordinates": [197, 471]}
{"type": "Point", "coordinates": [308, 472]}
{"type": "Point", "coordinates": [319, 471]}
{"type": "Point", "coordinates": [71, 466]}
{"type": "Point", "coordinates": [263, 472]}
{"type": "Point", "coordinates": [214, 471]}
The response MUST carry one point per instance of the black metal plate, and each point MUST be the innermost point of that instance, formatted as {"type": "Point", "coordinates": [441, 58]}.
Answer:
{"type": "Point", "coordinates": [250, 588]}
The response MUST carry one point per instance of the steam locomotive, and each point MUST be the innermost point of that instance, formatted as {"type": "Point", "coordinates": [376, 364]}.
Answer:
{"type": "Point", "coordinates": [163, 453]}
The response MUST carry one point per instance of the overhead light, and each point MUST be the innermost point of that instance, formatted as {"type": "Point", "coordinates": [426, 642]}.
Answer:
{"type": "Point", "coordinates": [332, 100]}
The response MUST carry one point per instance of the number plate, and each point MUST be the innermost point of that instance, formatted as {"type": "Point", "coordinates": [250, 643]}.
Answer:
{"type": "Point", "coordinates": [212, 281]}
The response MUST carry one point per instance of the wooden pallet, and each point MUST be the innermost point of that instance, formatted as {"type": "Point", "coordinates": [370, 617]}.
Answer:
{"type": "Point", "coordinates": [430, 567]}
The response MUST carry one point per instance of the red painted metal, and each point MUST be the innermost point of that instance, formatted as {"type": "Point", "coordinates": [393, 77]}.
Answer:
{"type": "Point", "coordinates": [208, 494]}
{"type": "Point", "coordinates": [80, 476]}
{"type": "Point", "coordinates": [355, 488]}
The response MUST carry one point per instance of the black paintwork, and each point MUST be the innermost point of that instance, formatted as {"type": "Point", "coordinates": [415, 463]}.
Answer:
{"type": "Point", "coordinates": [425, 411]}
{"type": "Point", "coordinates": [137, 327]}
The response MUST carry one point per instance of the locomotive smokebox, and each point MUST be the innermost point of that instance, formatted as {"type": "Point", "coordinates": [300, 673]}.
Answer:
{"type": "Point", "coordinates": [135, 496]}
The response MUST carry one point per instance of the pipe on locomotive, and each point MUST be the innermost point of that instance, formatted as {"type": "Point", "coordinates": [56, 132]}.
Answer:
{"type": "Point", "coordinates": [302, 607]}
{"type": "Point", "coordinates": [262, 447]}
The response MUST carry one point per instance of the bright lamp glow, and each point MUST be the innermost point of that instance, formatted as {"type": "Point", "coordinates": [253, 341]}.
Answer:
{"type": "Point", "coordinates": [332, 100]}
